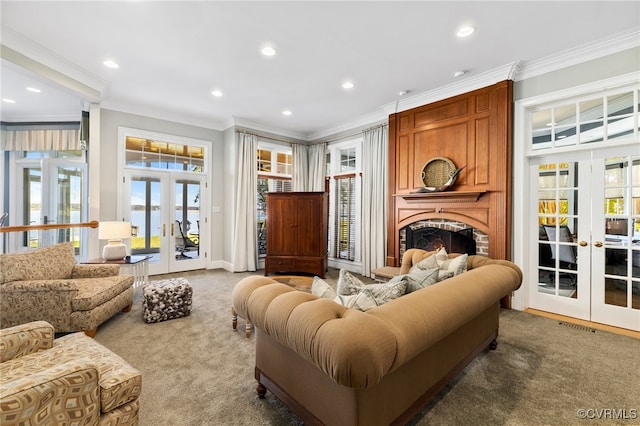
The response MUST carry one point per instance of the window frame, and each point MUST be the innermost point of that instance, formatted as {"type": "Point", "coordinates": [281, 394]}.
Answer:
{"type": "Point", "coordinates": [332, 172]}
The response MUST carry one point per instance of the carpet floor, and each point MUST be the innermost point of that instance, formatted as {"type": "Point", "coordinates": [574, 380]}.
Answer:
{"type": "Point", "coordinates": [197, 371]}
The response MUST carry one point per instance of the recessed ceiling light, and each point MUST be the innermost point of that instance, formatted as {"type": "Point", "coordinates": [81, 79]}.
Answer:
{"type": "Point", "coordinates": [9, 101]}
{"type": "Point", "coordinates": [286, 112]}
{"type": "Point", "coordinates": [217, 93]}
{"type": "Point", "coordinates": [111, 64]}
{"type": "Point", "coordinates": [465, 31]}
{"type": "Point", "coordinates": [268, 51]}
{"type": "Point", "coordinates": [459, 73]}
{"type": "Point", "coordinates": [347, 85]}
{"type": "Point", "coordinates": [33, 89]}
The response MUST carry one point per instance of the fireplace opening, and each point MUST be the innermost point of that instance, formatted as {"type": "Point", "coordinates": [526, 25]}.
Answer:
{"type": "Point", "coordinates": [431, 239]}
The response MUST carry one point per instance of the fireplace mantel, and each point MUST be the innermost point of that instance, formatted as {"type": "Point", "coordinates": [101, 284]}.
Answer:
{"type": "Point", "coordinates": [442, 197]}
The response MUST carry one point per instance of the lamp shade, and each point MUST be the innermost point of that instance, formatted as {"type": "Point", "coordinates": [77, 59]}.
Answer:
{"type": "Point", "coordinates": [114, 230]}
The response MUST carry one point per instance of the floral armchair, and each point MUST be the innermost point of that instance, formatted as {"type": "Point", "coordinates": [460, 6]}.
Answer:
{"type": "Point", "coordinates": [72, 380]}
{"type": "Point", "coordinates": [46, 284]}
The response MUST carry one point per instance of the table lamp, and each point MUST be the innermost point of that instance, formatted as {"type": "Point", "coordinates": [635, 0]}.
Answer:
{"type": "Point", "coordinates": [114, 232]}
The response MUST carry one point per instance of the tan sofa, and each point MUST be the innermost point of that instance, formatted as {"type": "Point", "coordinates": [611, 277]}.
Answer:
{"type": "Point", "coordinates": [339, 366]}
{"type": "Point", "coordinates": [72, 380]}
{"type": "Point", "coordinates": [48, 285]}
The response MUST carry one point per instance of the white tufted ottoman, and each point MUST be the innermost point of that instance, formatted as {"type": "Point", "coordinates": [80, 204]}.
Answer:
{"type": "Point", "coordinates": [166, 299]}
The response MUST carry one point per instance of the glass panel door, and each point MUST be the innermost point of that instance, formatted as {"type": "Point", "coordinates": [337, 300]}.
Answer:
{"type": "Point", "coordinates": [167, 231]}
{"type": "Point", "coordinates": [561, 228]}
{"type": "Point", "coordinates": [54, 192]}
{"type": "Point", "coordinates": [186, 226]}
{"type": "Point", "coordinates": [66, 202]}
{"type": "Point", "coordinates": [616, 240]}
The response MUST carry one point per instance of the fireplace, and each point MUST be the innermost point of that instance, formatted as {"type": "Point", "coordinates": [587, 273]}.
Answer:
{"type": "Point", "coordinates": [431, 239]}
{"type": "Point", "coordinates": [455, 237]}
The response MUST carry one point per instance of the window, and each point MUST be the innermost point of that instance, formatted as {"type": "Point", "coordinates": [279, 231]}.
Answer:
{"type": "Point", "coordinates": [609, 118]}
{"type": "Point", "coordinates": [154, 154]}
{"type": "Point", "coordinates": [344, 200]}
{"type": "Point", "coordinates": [275, 168]}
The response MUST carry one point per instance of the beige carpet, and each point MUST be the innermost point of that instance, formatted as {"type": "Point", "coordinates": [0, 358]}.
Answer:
{"type": "Point", "coordinates": [197, 371]}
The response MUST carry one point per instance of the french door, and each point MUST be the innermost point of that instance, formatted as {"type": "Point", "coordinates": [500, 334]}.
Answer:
{"type": "Point", "coordinates": [587, 227]}
{"type": "Point", "coordinates": [164, 208]}
{"type": "Point", "coordinates": [54, 191]}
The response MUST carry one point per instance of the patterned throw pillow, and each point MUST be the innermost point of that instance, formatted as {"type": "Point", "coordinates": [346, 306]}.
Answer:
{"type": "Point", "coordinates": [349, 285]}
{"type": "Point", "coordinates": [320, 288]}
{"type": "Point", "coordinates": [428, 262]}
{"type": "Point", "coordinates": [362, 301]}
{"type": "Point", "coordinates": [419, 279]}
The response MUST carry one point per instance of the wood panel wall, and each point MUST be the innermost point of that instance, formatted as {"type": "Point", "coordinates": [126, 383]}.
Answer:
{"type": "Point", "coordinates": [472, 130]}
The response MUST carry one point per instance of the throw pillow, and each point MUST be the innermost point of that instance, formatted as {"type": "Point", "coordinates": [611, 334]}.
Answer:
{"type": "Point", "coordinates": [362, 301]}
{"type": "Point", "coordinates": [429, 262]}
{"type": "Point", "coordinates": [419, 279]}
{"type": "Point", "coordinates": [348, 284]}
{"type": "Point", "coordinates": [385, 292]}
{"type": "Point", "coordinates": [455, 266]}
{"type": "Point", "coordinates": [320, 288]}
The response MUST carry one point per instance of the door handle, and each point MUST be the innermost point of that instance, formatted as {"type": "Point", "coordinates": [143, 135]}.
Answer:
{"type": "Point", "coordinates": [172, 229]}
{"type": "Point", "coordinates": [598, 244]}
{"type": "Point", "coordinates": [583, 243]}
{"type": "Point", "coordinates": [164, 230]}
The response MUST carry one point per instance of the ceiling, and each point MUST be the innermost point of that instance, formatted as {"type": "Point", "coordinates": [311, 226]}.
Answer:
{"type": "Point", "coordinates": [172, 55]}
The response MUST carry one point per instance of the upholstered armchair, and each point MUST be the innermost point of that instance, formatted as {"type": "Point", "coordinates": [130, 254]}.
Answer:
{"type": "Point", "coordinates": [47, 284]}
{"type": "Point", "coordinates": [72, 380]}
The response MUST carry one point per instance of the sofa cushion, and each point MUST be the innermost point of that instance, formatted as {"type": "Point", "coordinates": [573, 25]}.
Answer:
{"type": "Point", "coordinates": [53, 262]}
{"type": "Point", "coordinates": [93, 292]}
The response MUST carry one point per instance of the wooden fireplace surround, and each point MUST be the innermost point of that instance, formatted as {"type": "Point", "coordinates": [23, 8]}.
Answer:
{"type": "Point", "coordinates": [473, 130]}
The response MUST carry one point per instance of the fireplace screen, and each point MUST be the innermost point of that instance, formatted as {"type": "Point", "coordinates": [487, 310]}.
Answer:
{"type": "Point", "coordinates": [431, 239]}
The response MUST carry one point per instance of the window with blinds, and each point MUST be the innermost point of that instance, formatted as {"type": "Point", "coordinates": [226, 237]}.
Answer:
{"type": "Point", "coordinates": [344, 199]}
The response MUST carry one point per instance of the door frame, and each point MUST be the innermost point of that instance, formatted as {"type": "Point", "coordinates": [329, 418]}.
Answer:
{"type": "Point", "coordinates": [204, 177]}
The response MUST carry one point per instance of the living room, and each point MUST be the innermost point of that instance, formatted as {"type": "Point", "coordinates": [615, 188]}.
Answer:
{"type": "Point", "coordinates": [601, 69]}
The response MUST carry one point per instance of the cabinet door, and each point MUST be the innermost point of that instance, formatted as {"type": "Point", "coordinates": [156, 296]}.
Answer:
{"type": "Point", "coordinates": [281, 225]}
{"type": "Point", "coordinates": [308, 225]}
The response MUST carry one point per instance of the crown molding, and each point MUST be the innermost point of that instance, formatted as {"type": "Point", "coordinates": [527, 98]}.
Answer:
{"type": "Point", "coordinates": [608, 46]}
{"type": "Point", "coordinates": [363, 121]}
{"type": "Point", "coordinates": [463, 86]}
{"type": "Point", "coordinates": [161, 114]}
{"type": "Point", "coordinates": [239, 122]}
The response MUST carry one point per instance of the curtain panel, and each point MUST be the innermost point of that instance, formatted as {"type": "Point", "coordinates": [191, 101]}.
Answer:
{"type": "Point", "coordinates": [317, 166]}
{"type": "Point", "coordinates": [245, 232]}
{"type": "Point", "coordinates": [300, 154]}
{"type": "Point", "coordinates": [375, 147]}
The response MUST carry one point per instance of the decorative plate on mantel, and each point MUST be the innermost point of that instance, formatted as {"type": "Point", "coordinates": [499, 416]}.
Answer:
{"type": "Point", "coordinates": [437, 171]}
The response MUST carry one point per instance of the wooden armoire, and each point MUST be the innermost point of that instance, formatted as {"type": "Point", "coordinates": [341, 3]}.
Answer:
{"type": "Point", "coordinates": [297, 232]}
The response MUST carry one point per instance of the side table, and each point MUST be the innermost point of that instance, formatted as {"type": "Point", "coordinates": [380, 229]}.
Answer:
{"type": "Point", "coordinates": [138, 266]}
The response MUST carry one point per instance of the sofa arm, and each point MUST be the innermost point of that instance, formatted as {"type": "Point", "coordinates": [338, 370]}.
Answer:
{"type": "Point", "coordinates": [25, 339]}
{"type": "Point", "coordinates": [68, 393]}
{"type": "Point", "coordinates": [94, 271]}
